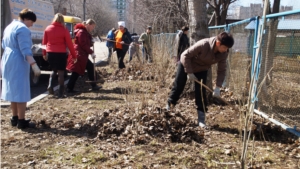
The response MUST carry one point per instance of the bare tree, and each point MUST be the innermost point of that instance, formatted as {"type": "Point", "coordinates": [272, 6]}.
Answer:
{"type": "Point", "coordinates": [104, 15]}
{"type": "Point", "coordinates": [269, 54]}
{"type": "Point", "coordinates": [271, 39]}
{"type": "Point", "coordinates": [100, 10]}
{"type": "Point", "coordinates": [220, 10]}
{"type": "Point", "coordinates": [57, 4]}
{"type": "Point", "coordinates": [164, 16]}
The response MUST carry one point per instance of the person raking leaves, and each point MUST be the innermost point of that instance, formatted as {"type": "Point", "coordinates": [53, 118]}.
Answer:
{"type": "Point", "coordinates": [194, 64]}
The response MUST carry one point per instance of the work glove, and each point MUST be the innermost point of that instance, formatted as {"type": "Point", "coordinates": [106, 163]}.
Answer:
{"type": "Point", "coordinates": [216, 92]}
{"type": "Point", "coordinates": [192, 77]}
{"type": "Point", "coordinates": [93, 55]}
{"type": "Point", "coordinates": [36, 70]}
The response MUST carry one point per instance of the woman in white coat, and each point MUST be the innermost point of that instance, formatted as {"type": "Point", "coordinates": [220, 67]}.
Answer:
{"type": "Point", "coordinates": [15, 66]}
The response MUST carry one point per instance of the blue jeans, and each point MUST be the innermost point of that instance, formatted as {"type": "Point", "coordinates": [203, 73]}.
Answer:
{"type": "Point", "coordinates": [110, 51]}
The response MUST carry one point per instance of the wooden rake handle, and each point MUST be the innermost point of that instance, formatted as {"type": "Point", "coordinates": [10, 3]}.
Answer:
{"type": "Point", "coordinates": [211, 91]}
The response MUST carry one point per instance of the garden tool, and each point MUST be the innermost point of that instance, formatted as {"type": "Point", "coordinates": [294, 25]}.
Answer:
{"type": "Point", "coordinates": [223, 100]}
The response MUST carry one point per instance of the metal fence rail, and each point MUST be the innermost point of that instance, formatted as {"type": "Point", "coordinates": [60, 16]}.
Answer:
{"type": "Point", "coordinates": [278, 92]}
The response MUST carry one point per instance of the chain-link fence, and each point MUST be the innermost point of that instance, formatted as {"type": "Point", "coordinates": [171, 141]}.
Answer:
{"type": "Point", "coordinates": [279, 76]}
{"type": "Point", "coordinates": [238, 63]}
{"type": "Point", "coordinates": [164, 42]}
{"type": "Point", "coordinates": [278, 91]}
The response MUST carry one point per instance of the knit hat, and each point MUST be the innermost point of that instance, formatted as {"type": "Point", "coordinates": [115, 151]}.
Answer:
{"type": "Point", "coordinates": [121, 23]}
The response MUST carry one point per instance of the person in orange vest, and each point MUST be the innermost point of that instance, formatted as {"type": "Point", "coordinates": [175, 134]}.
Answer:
{"type": "Point", "coordinates": [123, 39]}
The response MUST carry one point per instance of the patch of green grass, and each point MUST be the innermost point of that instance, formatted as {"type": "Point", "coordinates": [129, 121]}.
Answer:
{"type": "Point", "coordinates": [153, 142]}
{"type": "Point", "coordinates": [53, 152]}
{"type": "Point", "coordinates": [77, 159]}
{"type": "Point", "coordinates": [269, 159]}
{"type": "Point", "coordinates": [178, 147]}
{"type": "Point", "coordinates": [140, 155]}
{"type": "Point", "coordinates": [186, 161]}
{"type": "Point", "coordinates": [93, 158]}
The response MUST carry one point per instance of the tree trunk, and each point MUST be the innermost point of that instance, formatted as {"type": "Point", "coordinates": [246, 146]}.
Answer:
{"type": "Point", "coordinates": [223, 17]}
{"type": "Point", "coordinates": [84, 2]}
{"type": "Point", "coordinates": [217, 15]}
{"type": "Point", "coordinates": [198, 20]}
{"type": "Point", "coordinates": [269, 53]}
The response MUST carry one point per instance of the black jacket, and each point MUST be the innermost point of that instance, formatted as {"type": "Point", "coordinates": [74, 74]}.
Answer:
{"type": "Point", "coordinates": [184, 43]}
{"type": "Point", "coordinates": [126, 38]}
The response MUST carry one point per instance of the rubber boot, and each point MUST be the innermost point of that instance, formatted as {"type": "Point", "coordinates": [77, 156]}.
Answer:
{"type": "Point", "coordinates": [201, 119]}
{"type": "Point", "coordinates": [61, 91]}
{"type": "Point", "coordinates": [50, 86]}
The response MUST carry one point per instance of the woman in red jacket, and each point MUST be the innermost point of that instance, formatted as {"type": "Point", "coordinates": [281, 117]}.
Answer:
{"type": "Point", "coordinates": [57, 39]}
{"type": "Point", "coordinates": [82, 45]}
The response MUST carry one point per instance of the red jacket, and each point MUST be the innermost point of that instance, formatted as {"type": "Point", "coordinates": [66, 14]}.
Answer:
{"type": "Point", "coordinates": [82, 45]}
{"type": "Point", "coordinates": [57, 39]}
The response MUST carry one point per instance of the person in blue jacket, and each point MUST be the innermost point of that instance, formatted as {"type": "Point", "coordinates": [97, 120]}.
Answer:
{"type": "Point", "coordinates": [109, 43]}
{"type": "Point", "coordinates": [15, 66]}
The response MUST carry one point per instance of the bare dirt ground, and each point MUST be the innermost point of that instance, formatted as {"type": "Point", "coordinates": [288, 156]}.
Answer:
{"type": "Point", "coordinates": [125, 125]}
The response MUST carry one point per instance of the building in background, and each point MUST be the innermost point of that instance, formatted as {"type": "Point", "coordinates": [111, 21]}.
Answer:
{"type": "Point", "coordinates": [242, 12]}
{"type": "Point", "coordinates": [120, 6]}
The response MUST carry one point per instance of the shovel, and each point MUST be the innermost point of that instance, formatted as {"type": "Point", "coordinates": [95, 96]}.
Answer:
{"type": "Point", "coordinates": [95, 79]}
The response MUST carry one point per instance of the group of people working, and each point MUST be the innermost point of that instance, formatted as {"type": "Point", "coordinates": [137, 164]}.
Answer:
{"type": "Point", "coordinates": [57, 40]}
{"type": "Point", "coordinates": [192, 61]}
{"type": "Point", "coordinates": [122, 42]}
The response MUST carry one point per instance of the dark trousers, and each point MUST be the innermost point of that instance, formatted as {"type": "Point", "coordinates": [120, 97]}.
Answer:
{"type": "Point", "coordinates": [178, 87]}
{"type": "Point", "coordinates": [74, 76]}
{"type": "Point", "coordinates": [121, 54]}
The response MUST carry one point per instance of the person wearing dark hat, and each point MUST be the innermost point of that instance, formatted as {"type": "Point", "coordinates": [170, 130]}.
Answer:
{"type": "Point", "coordinates": [181, 42]}
{"type": "Point", "coordinates": [146, 39]}
{"type": "Point", "coordinates": [193, 65]}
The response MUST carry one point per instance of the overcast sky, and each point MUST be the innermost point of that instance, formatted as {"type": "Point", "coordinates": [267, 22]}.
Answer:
{"type": "Point", "coordinates": [294, 3]}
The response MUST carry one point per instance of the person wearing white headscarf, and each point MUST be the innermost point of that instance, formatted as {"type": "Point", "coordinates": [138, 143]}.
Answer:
{"type": "Point", "coordinates": [123, 39]}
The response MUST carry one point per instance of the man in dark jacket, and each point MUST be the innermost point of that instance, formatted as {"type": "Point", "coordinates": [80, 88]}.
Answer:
{"type": "Point", "coordinates": [193, 65]}
{"type": "Point", "coordinates": [123, 39]}
{"type": "Point", "coordinates": [181, 42]}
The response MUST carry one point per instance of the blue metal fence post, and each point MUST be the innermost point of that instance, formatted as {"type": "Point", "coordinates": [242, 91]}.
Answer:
{"type": "Point", "coordinates": [254, 43]}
